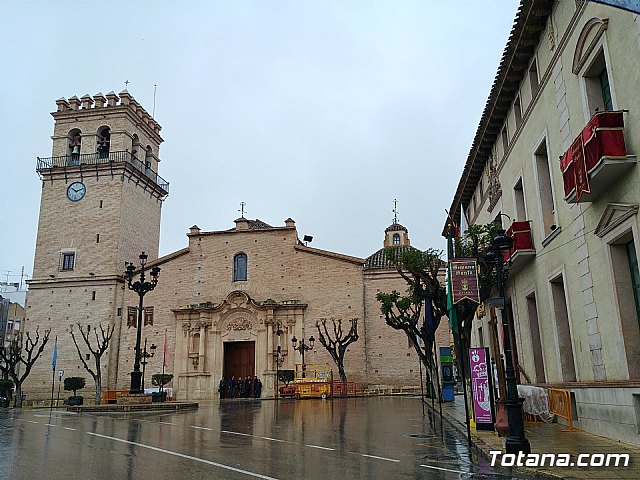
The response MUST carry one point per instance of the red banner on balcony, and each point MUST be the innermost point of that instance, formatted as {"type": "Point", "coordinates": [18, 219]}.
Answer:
{"type": "Point", "coordinates": [602, 137]}
{"type": "Point", "coordinates": [579, 168]}
{"type": "Point", "coordinates": [464, 280]}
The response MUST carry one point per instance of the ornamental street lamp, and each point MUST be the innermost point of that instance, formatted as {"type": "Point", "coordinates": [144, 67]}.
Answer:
{"type": "Point", "coordinates": [516, 441]}
{"type": "Point", "coordinates": [303, 347]}
{"type": "Point", "coordinates": [141, 288]}
{"type": "Point", "coordinates": [146, 356]}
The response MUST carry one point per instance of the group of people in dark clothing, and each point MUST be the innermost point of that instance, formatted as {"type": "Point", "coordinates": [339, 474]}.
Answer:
{"type": "Point", "coordinates": [240, 388]}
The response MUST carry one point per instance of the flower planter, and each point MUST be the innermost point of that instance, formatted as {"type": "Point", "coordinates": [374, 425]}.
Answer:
{"type": "Point", "coordinates": [157, 397]}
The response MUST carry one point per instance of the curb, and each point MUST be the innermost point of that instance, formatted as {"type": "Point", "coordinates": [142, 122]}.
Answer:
{"type": "Point", "coordinates": [482, 448]}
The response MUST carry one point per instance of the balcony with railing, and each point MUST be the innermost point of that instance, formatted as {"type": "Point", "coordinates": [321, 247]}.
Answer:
{"type": "Point", "coordinates": [101, 161]}
{"type": "Point", "coordinates": [596, 159]}
{"type": "Point", "coordinates": [522, 250]}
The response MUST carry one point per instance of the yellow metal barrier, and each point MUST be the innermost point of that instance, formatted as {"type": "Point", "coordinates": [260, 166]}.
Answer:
{"type": "Point", "coordinates": [560, 404]}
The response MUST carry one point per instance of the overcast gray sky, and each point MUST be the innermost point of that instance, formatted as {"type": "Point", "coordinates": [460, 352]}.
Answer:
{"type": "Point", "coordinates": [320, 111]}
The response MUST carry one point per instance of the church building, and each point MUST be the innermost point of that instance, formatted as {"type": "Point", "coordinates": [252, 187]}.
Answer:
{"type": "Point", "coordinates": [221, 301]}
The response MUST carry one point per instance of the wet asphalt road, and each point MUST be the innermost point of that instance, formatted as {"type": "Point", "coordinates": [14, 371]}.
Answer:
{"type": "Point", "coordinates": [356, 438]}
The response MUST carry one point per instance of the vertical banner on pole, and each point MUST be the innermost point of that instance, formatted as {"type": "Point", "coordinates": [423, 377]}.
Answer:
{"type": "Point", "coordinates": [481, 388]}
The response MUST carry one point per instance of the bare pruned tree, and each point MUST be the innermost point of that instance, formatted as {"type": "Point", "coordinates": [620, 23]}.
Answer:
{"type": "Point", "coordinates": [337, 346]}
{"type": "Point", "coordinates": [22, 353]}
{"type": "Point", "coordinates": [102, 343]}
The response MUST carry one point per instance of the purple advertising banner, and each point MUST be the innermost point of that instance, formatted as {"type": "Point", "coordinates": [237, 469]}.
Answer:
{"type": "Point", "coordinates": [480, 385]}
{"type": "Point", "coordinates": [464, 280]}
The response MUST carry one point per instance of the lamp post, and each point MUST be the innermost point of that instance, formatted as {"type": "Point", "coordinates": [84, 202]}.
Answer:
{"type": "Point", "coordinates": [303, 347]}
{"type": "Point", "coordinates": [145, 357]}
{"type": "Point", "coordinates": [516, 441]}
{"type": "Point", "coordinates": [141, 288]}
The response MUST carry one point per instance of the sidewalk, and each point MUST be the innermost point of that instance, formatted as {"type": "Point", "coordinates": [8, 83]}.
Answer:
{"type": "Point", "coordinates": [549, 438]}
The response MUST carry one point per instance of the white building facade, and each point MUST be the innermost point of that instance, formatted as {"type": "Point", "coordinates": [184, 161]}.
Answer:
{"type": "Point", "coordinates": [555, 152]}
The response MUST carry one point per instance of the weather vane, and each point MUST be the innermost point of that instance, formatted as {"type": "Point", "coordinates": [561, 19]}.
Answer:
{"type": "Point", "coordinates": [241, 209]}
{"type": "Point", "coordinates": [395, 211]}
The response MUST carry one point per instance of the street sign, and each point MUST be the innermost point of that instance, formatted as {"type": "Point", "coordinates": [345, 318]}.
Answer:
{"type": "Point", "coordinates": [60, 373]}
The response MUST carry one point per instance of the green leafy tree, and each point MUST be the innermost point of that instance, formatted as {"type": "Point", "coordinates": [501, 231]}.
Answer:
{"type": "Point", "coordinates": [337, 343]}
{"type": "Point", "coordinates": [161, 379]}
{"type": "Point", "coordinates": [74, 383]}
{"type": "Point", "coordinates": [420, 269]}
{"type": "Point", "coordinates": [17, 360]}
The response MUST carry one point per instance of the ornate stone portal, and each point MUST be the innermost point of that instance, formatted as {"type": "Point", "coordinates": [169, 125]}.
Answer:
{"type": "Point", "coordinates": [206, 327]}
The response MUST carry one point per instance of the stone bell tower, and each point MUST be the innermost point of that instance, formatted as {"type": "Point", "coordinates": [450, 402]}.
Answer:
{"type": "Point", "coordinates": [100, 207]}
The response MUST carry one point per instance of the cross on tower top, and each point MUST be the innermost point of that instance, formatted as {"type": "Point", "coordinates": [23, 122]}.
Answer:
{"type": "Point", "coordinates": [241, 209]}
{"type": "Point", "coordinates": [126, 84]}
{"type": "Point", "coordinates": [395, 211]}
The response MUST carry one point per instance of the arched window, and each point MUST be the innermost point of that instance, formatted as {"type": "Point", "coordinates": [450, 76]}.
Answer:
{"type": "Point", "coordinates": [396, 239]}
{"type": "Point", "coordinates": [75, 142]}
{"type": "Point", "coordinates": [102, 146]}
{"type": "Point", "coordinates": [147, 159]}
{"type": "Point", "coordinates": [240, 267]}
{"type": "Point", "coordinates": [135, 145]}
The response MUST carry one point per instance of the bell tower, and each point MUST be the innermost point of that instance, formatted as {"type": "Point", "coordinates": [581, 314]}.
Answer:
{"type": "Point", "coordinates": [100, 207]}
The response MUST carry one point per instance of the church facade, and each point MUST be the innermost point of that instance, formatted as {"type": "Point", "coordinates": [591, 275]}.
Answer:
{"type": "Point", "coordinates": [225, 302]}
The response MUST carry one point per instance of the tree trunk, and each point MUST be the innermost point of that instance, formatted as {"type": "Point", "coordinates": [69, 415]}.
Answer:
{"type": "Point", "coordinates": [98, 390]}
{"type": "Point", "coordinates": [98, 380]}
{"type": "Point", "coordinates": [343, 376]}
{"type": "Point", "coordinates": [18, 401]}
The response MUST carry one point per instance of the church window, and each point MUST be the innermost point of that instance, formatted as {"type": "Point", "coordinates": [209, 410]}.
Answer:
{"type": "Point", "coordinates": [240, 267]}
{"type": "Point", "coordinates": [67, 260]}
{"type": "Point", "coordinates": [396, 239]}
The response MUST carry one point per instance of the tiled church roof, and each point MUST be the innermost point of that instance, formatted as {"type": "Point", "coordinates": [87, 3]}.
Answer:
{"type": "Point", "coordinates": [395, 227]}
{"type": "Point", "coordinates": [258, 224]}
{"type": "Point", "coordinates": [380, 261]}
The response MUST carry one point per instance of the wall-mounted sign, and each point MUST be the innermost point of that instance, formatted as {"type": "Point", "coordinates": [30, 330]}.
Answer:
{"type": "Point", "coordinates": [464, 279]}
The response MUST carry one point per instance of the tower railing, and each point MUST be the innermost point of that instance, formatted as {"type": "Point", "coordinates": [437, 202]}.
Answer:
{"type": "Point", "coordinates": [98, 159]}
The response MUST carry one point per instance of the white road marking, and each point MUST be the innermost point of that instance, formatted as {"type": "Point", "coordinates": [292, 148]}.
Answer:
{"type": "Point", "coordinates": [274, 439]}
{"type": "Point", "coordinates": [188, 457]}
{"type": "Point", "coordinates": [321, 448]}
{"type": "Point", "coordinates": [236, 433]}
{"type": "Point", "coordinates": [381, 458]}
{"type": "Point", "coordinates": [32, 421]}
{"type": "Point", "coordinates": [69, 428]}
{"type": "Point", "coordinates": [167, 423]}
{"type": "Point", "coordinates": [49, 424]}
{"type": "Point", "coordinates": [447, 469]}
{"type": "Point", "coordinates": [201, 428]}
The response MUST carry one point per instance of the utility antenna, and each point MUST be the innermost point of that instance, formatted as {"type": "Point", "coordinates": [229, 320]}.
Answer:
{"type": "Point", "coordinates": [241, 210]}
{"type": "Point", "coordinates": [395, 211]}
{"type": "Point", "coordinates": [155, 88]}
{"type": "Point", "coordinates": [126, 84]}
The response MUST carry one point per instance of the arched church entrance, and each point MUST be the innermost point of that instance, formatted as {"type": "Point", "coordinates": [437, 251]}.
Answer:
{"type": "Point", "coordinates": [239, 359]}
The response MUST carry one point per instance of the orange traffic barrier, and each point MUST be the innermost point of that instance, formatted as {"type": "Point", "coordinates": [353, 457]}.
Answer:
{"type": "Point", "coordinates": [560, 404]}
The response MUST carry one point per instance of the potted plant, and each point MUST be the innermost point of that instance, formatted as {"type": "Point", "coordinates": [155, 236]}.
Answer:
{"type": "Point", "coordinates": [160, 380]}
{"type": "Point", "coordinates": [5, 392]}
{"type": "Point", "coordinates": [74, 383]}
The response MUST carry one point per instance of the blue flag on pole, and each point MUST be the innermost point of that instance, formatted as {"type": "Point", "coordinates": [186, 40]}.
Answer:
{"type": "Point", "coordinates": [55, 355]}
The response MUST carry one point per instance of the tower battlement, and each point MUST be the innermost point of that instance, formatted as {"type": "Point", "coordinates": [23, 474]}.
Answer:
{"type": "Point", "coordinates": [99, 101]}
